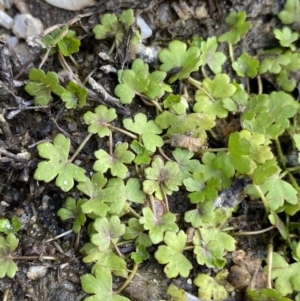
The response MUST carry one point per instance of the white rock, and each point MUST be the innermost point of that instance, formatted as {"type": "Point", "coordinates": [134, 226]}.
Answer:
{"type": "Point", "coordinates": [146, 31]}
{"type": "Point", "coordinates": [36, 272]}
{"type": "Point", "coordinates": [26, 25]}
{"type": "Point", "coordinates": [71, 4]}
{"type": "Point", "coordinates": [5, 20]}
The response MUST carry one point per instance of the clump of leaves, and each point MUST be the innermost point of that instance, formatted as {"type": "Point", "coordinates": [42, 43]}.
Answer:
{"type": "Point", "coordinates": [138, 80]}
{"type": "Point", "coordinates": [58, 165]}
{"type": "Point", "coordinates": [113, 26]}
{"type": "Point", "coordinates": [179, 59]}
{"type": "Point", "coordinates": [74, 95]}
{"type": "Point", "coordinates": [8, 245]}
{"type": "Point", "coordinates": [238, 27]}
{"type": "Point", "coordinates": [10, 227]}
{"type": "Point", "coordinates": [41, 86]}
{"type": "Point", "coordinates": [73, 210]}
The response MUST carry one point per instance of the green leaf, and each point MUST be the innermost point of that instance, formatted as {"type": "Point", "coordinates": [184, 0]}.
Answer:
{"type": "Point", "coordinates": [273, 63]}
{"type": "Point", "coordinates": [110, 27]}
{"type": "Point", "coordinates": [135, 230]}
{"type": "Point", "coordinates": [69, 44]}
{"type": "Point", "coordinates": [140, 255]}
{"type": "Point", "coordinates": [285, 78]}
{"type": "Point", "coordinates": [246, 65]}
{"type": "Point", "coordinates": [186, 164]}
{"type": "Point", "coordinates": [177, 56]}
{"type": "Point", "coordinates": [209, 97]}
{"type": "Point", "coordinates": [286, 37]}
{"type": "Point", "coordinates": [213, 59]}
{"type": "Point", "coordinates": [127, 17]}
{"type": "Point", "coordinates": [41, 86]}
{"type": "Point", "coordinates": [10, 227]}
{"type": "Point", "coordinates": [52, 38]}
{"type": "Point", "coordinates": [269, 115]}
{"type": "Point", "coordinates": [100, 286]}
{"type": "Point", "coordinates": [290, 13]}
{"type": "Point", "coordinates": [58, 164]}
{"type": "Point", "coordinates": [176, 293]}
{"type": "Point", "coordinates": [160, 177]}
{"type": "Point", "coordinates": [73, 210]}
{"type": "Point", "coordinates": [202, 189]}
{"type": "Point", "coordinates": [265, 294]}
{"type": "Point", "coordinates": [285, 274]}
{"type": "Point", "coordinates": [148, 131]}
{"type": "Point", "coordinates": [276, 221]}
{"type": "Point", "coordinates": [108, 260]}
{"type": "Point", "coordinates": [237, 157]}
{"type": "Point", "coordinates": [278, 193]}
{"type": "Point", "coordinates": [210, 254]}
{"type": "Point", "coordinates": [171, 254]}
{"type": "Point", "coordinates": [157, 226]}
{"type": "Point", "coordinates": [8, 245]}
{"type": "Point", "coordinates": [108, 231]}
{"type": "Point", "coordinates": [100, 120]}
{"type": "Point", "coordinates": [196, 122]}
{"type": "Point", "coordinates": [74, 95]}
{"type": "Point", "coordinates": [114, 162]}
{"type": "Point", "coordinates": [202, 215]}
{"type": "Point", "coordinates": [238, 27]}
{"type": "Point", "coordinates": [99, 197]}
{"type": "Point", "coordinates": [143, 155]}
{"type": "Point", "coordinates": [176, 104]}
{"type": "Point", "coordinates": [209, 289]}
{"type": "Point", "coordinates": [139, 80]}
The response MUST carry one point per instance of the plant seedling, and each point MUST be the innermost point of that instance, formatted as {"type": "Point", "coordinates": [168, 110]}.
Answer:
{"type": "Point", "coordinates": [246, 66]}
{"type": "Point", "coordinates": [157, 226]}
{"type": "Point", "coordinates": [8, 245]}
{"type": "Point", "coordinates": [210, 56]}
{"type": "Point", "coordinates": [171, 255]}
{"type": "Point", "coordinates": [179, 57]}
{"type": "Point", "coordinates": [114, 162]}
{"type": "Point", "coordinates": [10, 227]}
{"type": "Point", "coordinates": [290, 13]}
{"type": "Point", "coordinates": [238, 27]}
{"type": "Point", "coordinates": [99, 121]}
{"type": "Point", "coordinates": [138, 80]}
{"type": "Point", "coordinates": [286, 37]}
{"type": "Point", "coordinates": [162, 178]}
{"type": "Point", "coordinates": [41, 86]}
{"type": "Point", "coordinates": [112, 26]}
{"type": "Point", "coordinates": [74, 96]}
{"type": "Point", "coordinates": [148, 131]}
{"type": "Point", "coordinates": [100, 286]}
{"type": "Point", "coordinates": [58, 164]}
{"type": "Point", "coordinates": [73, 210]}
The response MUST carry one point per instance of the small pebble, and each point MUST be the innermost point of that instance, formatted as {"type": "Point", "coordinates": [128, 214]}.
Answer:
{"type": "Point", "coordinates": [26, 25]}
{"type": "Point", "coordinates": [36, 272]}
{"type": "Point", "coordinates": [146, 31]}
{"type": "Point", "coordinates": [71, 4]}
{"type": "Point", "coordinates": [5, 20]}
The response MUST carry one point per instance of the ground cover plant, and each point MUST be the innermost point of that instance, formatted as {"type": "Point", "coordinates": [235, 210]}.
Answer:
{"type": "Point", "coordinates": [126, 199]}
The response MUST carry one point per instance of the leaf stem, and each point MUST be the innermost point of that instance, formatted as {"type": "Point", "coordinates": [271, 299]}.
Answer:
{"type": "Point", "coordinates": [280, 153]}
{"type": "Point", "coordinates": [134, 213]}
{"type": "Point", "coordinates": [122, 131]}
{"type": "Point", "coordinates": [270, 262]}
{"type": "Point", "coordinates": [163, 154]}
{"type": "Point", "coordinates": [127, 281]}
{"type": "Point", "coordinates": [81, 146]}
{"type": "Point", "coordinates": [165, 197]}
{"type": "Point", "coordinates": [34, 257]}
{"type": "Point", "coordinates": [44, 58]}
{"type": "Point", "coordinates": [259, 84]}
{"type": "Point", "coordinates": [214, 150]}
{"type": "Point", "coordinates": [246, 233]}
{"type": "Point", "coordinates": [59, 236]}
{"type": "Point", "coordinates": [110, 143]}
{"type": "Point", "coordinates": [77, 66]}
{"type": "Point", "coordinates": [152, 206]}
{"type": "Point", "coordinates": [203, 72]}
{"type": "Point", "coordinates": [64, 64]}
{"type": "Point", "coordinates": [116, 248]}
{"type": "Point", "coordinates": [197, 85]}
{"type": "Point", "coordinates": [263, 199]}
{"type": "Point", "coordinates": [230, 51]}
